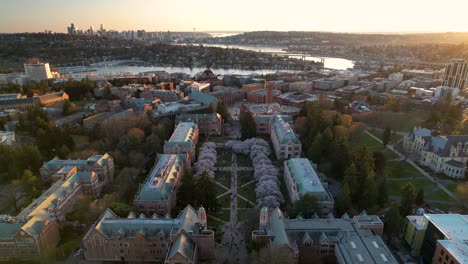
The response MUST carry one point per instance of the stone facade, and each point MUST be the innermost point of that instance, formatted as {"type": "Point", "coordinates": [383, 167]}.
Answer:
{"type": "Point", "coordinates": [446, 154]}
{"type": "Point", "coordinates": [184, 239]}
{"type": "Point", "coordinates": [355, 240]}
{"type": "Point", "coordinates": [285, 142]}
{"type": "Point", "coordinates": [158, 193]}
{"type": "Point", "coordinates": [208, 124]}
{"type": "Point", "coordinates": [183, 140]}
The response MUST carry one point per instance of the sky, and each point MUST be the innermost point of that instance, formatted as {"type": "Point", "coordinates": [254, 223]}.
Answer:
{"type": "Point", "coordinates": [238, 15]}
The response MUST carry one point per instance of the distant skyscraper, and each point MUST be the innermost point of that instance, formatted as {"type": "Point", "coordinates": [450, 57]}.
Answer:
{"type": "Point", "coordinates": [71, 29]}
{"type": "Point", "coordinates": [456, 74]}
{"type": "Point", "coordinates": [37, 71]}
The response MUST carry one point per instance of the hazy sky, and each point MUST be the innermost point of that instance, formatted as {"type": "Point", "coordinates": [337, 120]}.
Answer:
{"type": "Point", "coordinates": [237, 15]}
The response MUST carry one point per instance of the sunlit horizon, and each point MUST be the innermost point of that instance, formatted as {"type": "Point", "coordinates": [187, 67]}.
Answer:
{"type": "Point", "coordinates": [359, 16]}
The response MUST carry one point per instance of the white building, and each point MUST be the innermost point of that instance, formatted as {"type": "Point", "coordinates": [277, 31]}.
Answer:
{"type": "Point", "coordinates": [7, 137]}
{"type": "Point", "coordinates": [443, 91]}
{"type": "Point", "coordinates": [285, 142]}
{"type": "Point", "coordinates": [37, 71]}
{"type": "Point", "coordinates": [446, 154]}
{"type": "Point", "coordinates": [301, 179]}
{"type": "Point", "coordinates": [396, 77]}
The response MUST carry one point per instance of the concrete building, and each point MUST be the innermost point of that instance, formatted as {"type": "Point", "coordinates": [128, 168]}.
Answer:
{"type": "Point", "coordinates": [438, 238]}
{"type": "Point", "coordinates": [295, 99]}
{"type": "Point", "coordinates": [456, 74]}
{"type": "Point", "coordinates": [426, 73]}
{"type": "Point", "coordinates": [328, 84]}
{"type": "Point", "coordinates": [92, 121]}
{"type": "Point", "coordinates": [396, 77]}
{"type": "Point", "coordinates": [102, 165]}
{"type": "Point", "coordinates": [444, 91]}
{"type": "Point", "coordinates": [23, 103]}
{"type": "Point", "coordinates": [350, 92]}
{"type": "Point", "coordinates": [183, 140]}
{"type": "Point", "coordinates": [354, 240]}
{"type": "Point", "coordinates": [158, 194]}
{"type": "Point", "coordinates": [446, 154]}
{"type": "Point", "coordinates": [301, 86]}
{"type": "Point", "coordinates": [183, 240]}
{"type": "Point", "coordinates": [285, 142]}
{"type": "Point", "coordinates": [262, 96]}
{"type": "Point", "coordinates": [301, 179]}
{"type": "Point", "coordinates": [37, 71]}
{"type": "Point", "coordinates": [228, 95]}
{"type": "Point", "coordinates": [208, 124]}
{"type": "Point", "coordinates": [7, 137]}
{"type": "Point", "coordinates": [71, 119]}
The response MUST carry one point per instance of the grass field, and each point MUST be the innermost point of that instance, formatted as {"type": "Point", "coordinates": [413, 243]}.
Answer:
{"type": "Point", "coordinates": [401, 169]}
{"type": "Point", "coordinates": [248, 192]}
{"type": "Point", "coordinates": [438, 195]}
{"type": "Point", "coordinates": [394, 187]}
{"type": "Point", "coordinates": [394, 138]}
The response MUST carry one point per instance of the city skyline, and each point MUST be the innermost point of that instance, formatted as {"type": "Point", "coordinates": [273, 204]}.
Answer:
{"type": "Point", "coordinates": [364, 16]}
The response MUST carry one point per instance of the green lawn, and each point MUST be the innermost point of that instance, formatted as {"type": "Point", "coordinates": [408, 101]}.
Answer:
{"type": "Point", "coordinates": [224, 177]}
{"type": "Point", "coordinates": [225, 201]}
{"type": "Point", "coordinates": [401, 169]}
{"type": "Point", "coordinates": [243, 161]}
{"type": "Point", "coordinates": [394, 187]}
{"type": "Point", "coordinates": [224, 158]}
{"type": "Point", "coordinates": [371, 143]}
{"type": "Point", "coordinates": [244, 177]}
{"type": "Point", "coordinates": [248, 192]}
{"type": "Point", "coordinates": [394, 138]}
{"type": "Point", "coordinates": [438, 195]}
{"type": "Point", "coordinates": [223, 215]}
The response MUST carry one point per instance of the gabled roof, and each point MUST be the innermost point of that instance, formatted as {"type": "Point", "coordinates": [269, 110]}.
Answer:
{"type": "Point", "coordinates": [184, 246]}
{"type": "Point", "coordinates": [306, 178]}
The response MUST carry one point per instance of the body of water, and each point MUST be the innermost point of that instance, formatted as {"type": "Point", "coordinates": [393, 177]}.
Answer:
{"type": "Point", "coordinates": [190, 71]}
{"type": "Point", "coordinates": [330, 62]}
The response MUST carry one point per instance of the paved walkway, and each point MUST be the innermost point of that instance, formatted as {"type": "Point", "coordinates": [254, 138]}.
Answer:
{"type": "Point", "coordinates": [423, 172]}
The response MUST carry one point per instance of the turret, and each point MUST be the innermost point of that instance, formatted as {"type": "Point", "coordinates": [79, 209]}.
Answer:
{"type": "Point", "coordinates": [264, 219]}
{"type": "Point", "coordinates": [202, 218]}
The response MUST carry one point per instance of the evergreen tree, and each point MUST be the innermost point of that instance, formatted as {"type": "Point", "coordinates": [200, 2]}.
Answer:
{"type": "Point", "coordinates": [248, 125]}
{"type": "Point", "coordinates": [307, 206]}
{"type": "Point", "coordinates": [350, 178]}
{"type": "Point", "coordinates": [419, 199]}
{"type": "Point", "coordinates": [205, 196]}
{"type": "Point", "coordinates": [343, 201]}
{"type": "Point", "coordinates": [314, 152]}
{"type": "Point", "coordinates": [379, 162]}
{"type": "Point", "coordinates": [408, 195]}
{"type": "Point", "coordinates": [223, 111]}
{"type": "Point", "coordinates": [382, 194]}
{"type": "Point", "coordinates": [387, 134]}
{"type": "Point", "coordinates": [392, 222]}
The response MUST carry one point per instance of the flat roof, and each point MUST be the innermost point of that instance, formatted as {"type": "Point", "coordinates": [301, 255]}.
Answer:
{"type": "Point", "coordinates": [306, 178]}
{"type": "Point", "coordinates": [183, 132]}
{"type": "Point", "coordinates": [451, 225]}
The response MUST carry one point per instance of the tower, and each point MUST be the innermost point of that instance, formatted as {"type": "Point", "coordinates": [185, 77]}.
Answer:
{"type": "Point", "coordinates": [269, 93]}
{"type": "Point", "coordinates": [264, 223]}
{"type": "Point", "coordinates": [202, 218]}
{"type": "Point", "coordinates": [456, 74]}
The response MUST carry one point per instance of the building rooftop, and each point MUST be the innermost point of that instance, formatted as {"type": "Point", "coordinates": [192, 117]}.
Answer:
{"type": "Point", "coordinates": [457, 248]}
{"type": "Point", "coordinates": [284, 132]}
{"type": "Point", "coordinates": [451, 225]}
{"type": "Point", "coordinates": [183, 132]}
{"type": "Point", "coordinates": [160, 181]}
{"type": "Point", "coordinates": [297, 97]}
{"type": "Point", "coordinates": [306, 178]}
{"type": "Point", "coordinates": [272, 108]}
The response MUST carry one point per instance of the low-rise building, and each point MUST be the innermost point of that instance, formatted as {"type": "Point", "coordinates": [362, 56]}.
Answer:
{"type": "Point", "coordinates": [71, 119]}
{"type": "Point", "coordinates": [301, 179]}
{"type": "Point", "coordinates": [158, 193]}
{"type": "Point", "coordinates": [34, 231]}
{"type": "Point", "coordinates": [438, 238]}
{"type": "Point", "coordinates": [262, 96]}
{"type": "Point", "coordinates": [102, 165]}
{"type": "Point", "coordinates": [7, 137]}
{"type": "Point", "coordinates": [183, 140]}
{"type": "Point", "coordinates": [208, 124]}
{"type": "Point", "coordinates": [184, 239]}
{"type": "Point", "coordinates": [23, 103]}
{"type": "Point", "coordinates": [285, 142]}
{"type": "Point", "coordinates": [295, 99]}
{"type": "Point", "coordinates": [355, 240]}
{"type": "Point", "coordinates": [228, 95]}
{"type": "Point", "coordinates": [446, 154]}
